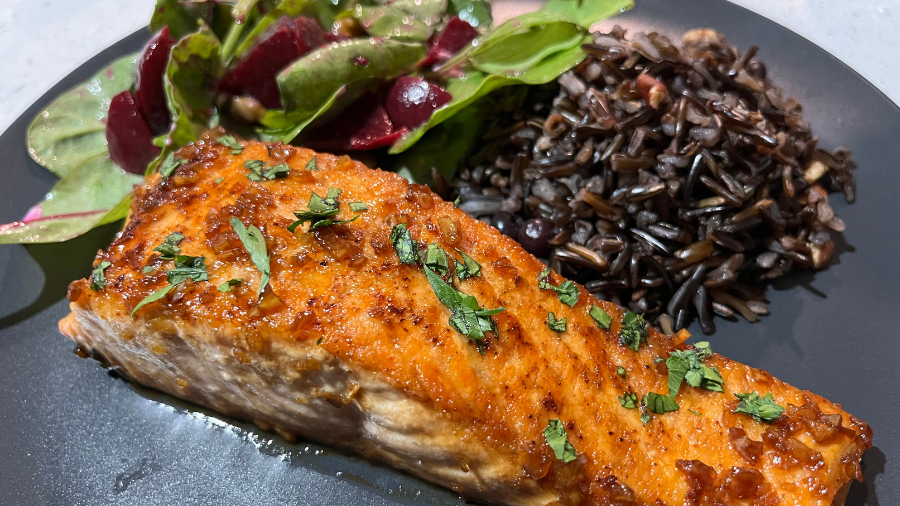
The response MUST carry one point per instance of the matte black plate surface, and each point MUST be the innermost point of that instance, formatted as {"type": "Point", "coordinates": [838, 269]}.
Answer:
{"type": "Point", "coordinates": [75, 435]}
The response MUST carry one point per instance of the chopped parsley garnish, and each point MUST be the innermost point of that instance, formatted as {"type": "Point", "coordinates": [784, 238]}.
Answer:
{"type": "Point", "coordinates": [634, 330]}
{"type": "Point", "coordinates": [468, 268]}
{"type": "Point", "coordinates": [436, 259]}
{"type": "Point", "coordinates": [259, 171]}
{"type": "Point", "coordinates": [621, 372]}
{"type": "Point", "coordinates": [230, 142]}
{"type": "Point", "coordinates": [148, 269]}
{"type": "Point", "coordinates": [762, 409]}
{"type": "Point", "coordinates": [226, 286]}
{"type": "Point", "coordinates": [169, 248]}
{"type": "Point", "coordinates": [358, 207]}
{"type": "Point", "coordinates": [98, 280]}
{"type": "Point", "coordinates": [601, 317]}
{"type": "Point", "coordinates": [659, 404]}
{"type": "Point", "coordinates": [467, 317]}
{"type": "Point", "coordinates": [456, 203]}
{"type": "Point", "coordinates": [558, 441]}
{"type": "Point", "coordinates": [645, 418]}
{"type": "Point", "coordinates": [311, 164]}
{"type": "Point", "coordinates": [407, 249]}
{"type": "Point", "coordinates": [320, 212]}
{"type": "Point", "coordinates": [170, 164]}
{"type": "Point", "coordinates": [695, 413]}
{"type": "Point", "coordinates": [629, 400]}
{"type": "Point", "coordinates": [687, 366]}
{"type": "Point", "coordinates": [567, 291]}
{"type": "Point", "coordinates": [554, 324]}
{"type": "Point", "coordinates": [186, 267]}
{"type": "Point", "coordinates": [255, 244]}
{"type": "Point", "coordinates": [219, 180]}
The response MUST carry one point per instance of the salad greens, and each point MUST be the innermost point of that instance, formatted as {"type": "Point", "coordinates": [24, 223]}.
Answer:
{"type": "Point", "coordinates": [375, 41]}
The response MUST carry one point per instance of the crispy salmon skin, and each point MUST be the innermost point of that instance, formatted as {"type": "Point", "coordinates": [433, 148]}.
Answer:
{"type": "Point", "coordinates": [350, 346]}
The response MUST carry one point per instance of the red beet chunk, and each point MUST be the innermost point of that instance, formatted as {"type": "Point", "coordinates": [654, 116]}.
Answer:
{"type": "Point", "coordinates": [129, 139]}
{"type": "Point", "coordinates": [455, 36]}
{"type": "Point", "coordinates": [412, 100]}
{"type": "Point", "coordinates": [149, 92]}
{"type": "Point", "coordinates": [362, 126]}
{"type": "Point", "coordinates": [255, 74]}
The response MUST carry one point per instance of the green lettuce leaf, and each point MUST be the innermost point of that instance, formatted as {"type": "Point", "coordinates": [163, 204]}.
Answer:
{"type": "Point", "coordinates": [94, 193]}
{"type": "Point", "coordinates": [587, 12]}
{"type": "Point", "coordinates": [475, 12]}
{"type": "Point", "coordinates": [72, 129]}
{"type": "Point", "coordinates": [403, 19]}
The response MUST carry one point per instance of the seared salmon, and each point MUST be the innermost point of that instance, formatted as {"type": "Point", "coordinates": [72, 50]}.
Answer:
{"type": "Point", "coordinates": [326, 300]}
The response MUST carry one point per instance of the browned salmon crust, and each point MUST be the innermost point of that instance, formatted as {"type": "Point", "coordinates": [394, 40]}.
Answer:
{"type": "Point", "coordinates": [352, 348]}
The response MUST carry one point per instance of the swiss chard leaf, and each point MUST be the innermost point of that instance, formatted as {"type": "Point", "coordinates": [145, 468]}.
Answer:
{"type": "Point", "coordinates": [94, 193]}
{"type": "Point", "coordinates": [401, 19]}
{"type": "Point", "coordinates": [72, 129]}
{"type": "Point", "coordinates": [312, 84]}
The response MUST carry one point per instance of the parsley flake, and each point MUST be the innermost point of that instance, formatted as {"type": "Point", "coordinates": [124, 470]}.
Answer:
{"type": "Point", "coordinates": [629, 400]}
{"type": "Point", "coordinates": [659, 404]}
{"type": "Point", "coordinates": [358, 207]}
{"type": "Point", "coordinates": [554, 324]}
{"type": "Point", "coordinates": [226, 286]}
{"type": "Point", "coordinates": [169, 165]}
{"type": "Point", "coordinates": [761, 409]}
{"type": "Point", "coordinates": [645, 418]}
{"type": "Point", "coordinates": [558, 441]}
{"type": "Point", "coordinates": [567, 291]}
{"type": "Point", "coordinates": [468, 268]}
{"type": "Point", "coordinates": [153, 297]}
{"type": "Point", "coordinates": [407, 249]}
{"type": "Point", "coordinates": [255, 244]}
{"type": "Point", "coordinates": [259, 171]}
{"type": "Point", "coordinates": [187, 267]}
{"type": "Point", "coordinates": [219, 180]}
{"type": "Point", "coordinates": [148, 269]}
{"type": "Point", "coordinates": [320, 211]}
{"type": "Point", "coordinates": [436, 259]}
{"type": "Point", "coordinates": [601, 317]}
{"type": "Point", "coordinates": [311, 164]}
{"type": "Point", "coordinates": [230, 142]}
{"type": "Point", "coordinates": [634, 330]}
{"type": "Point", "coordinates": [98, 280]}
{"type": "Point", "coordinates": [687, 366]}
{"type": "Point", "coordinates": [695, 413]}
{"type": "Point", "coordinates": [467, 317]}
{"type": "Point", "coordinates": [621, 372]}
{"type": "Point", "coordinates": [456, 203]}
{"type": "Point", "coordinates": [169, 248]}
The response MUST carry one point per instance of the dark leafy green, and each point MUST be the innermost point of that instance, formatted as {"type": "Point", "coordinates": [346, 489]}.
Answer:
{"type": "Point", "coordinates": [183, 16]}
{"type": "Point", "coordinates": [228, 285]}
{"type": "Point", "coordinates": [255, 244]}
{"type": "Point", "coordinates": [230, 142]}
{"type": "Point", "coordinates": [629, 400]}
{"type": "Point", "coordinates": [467, 317]}
{"type": "Point", "coordinates": [761, 409]}
{"type": "Point", "coordinates": [71, 131]}
{"type": "Point", "coordinates": [634, 330]}
{"type": "Point", "coordinates": [320, 212]}
{"type": "Point", "coordinates": [94, 193]}
{"type": "Point", "coordinates": [621, 372]}
{"type": "Point", "coordinates": [443, 148]}
{"type": "Point", "coordinates": [475, 12]}
{"type": "Point", "coordinates": [558, 441]}
{"type": "Point", "coordinates": [170, 164]}
{"type": "Point", "coordinates": [435, 259]}
{"type": "Point", "coordinates": [98, 279]}
{"type": "Point", "coordinates": [567, 291]}
{"type": "Point", "coordinates": [259, 171]}
{"type": "Point", "coordinates": [586, 12]}
{"type": "Point", "coordinates": [687, 366]}
{"type": "Point", "coordinates": [187, 267]}
{"type": "Point", "coordinates": [358, 207]}
{"type": "Point", "coordinates": [401, 19]}
{"type": "Point", "coordinates": [153, 297]}
{"type": "Point", "coordinates": [407, 249]}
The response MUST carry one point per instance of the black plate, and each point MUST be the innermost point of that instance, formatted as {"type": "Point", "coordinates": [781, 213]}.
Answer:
{"type": "Point", "coordinates": [74, 435]}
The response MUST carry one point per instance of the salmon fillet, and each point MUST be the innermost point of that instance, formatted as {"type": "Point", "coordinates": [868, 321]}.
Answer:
{"type": "Point", "coordinates": [350, 346]}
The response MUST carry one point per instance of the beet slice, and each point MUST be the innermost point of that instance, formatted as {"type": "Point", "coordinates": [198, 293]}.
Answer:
{"type": "Point", "coordinates": [412, 100]}
{"type": "Point", "coordinates": [128, 137]}
{"type": "Point", "coordinates": [455, 36]}
{"type": "Point", "coordinates": [149, 93]}
{"type": "Point", "coordinates": [362, 126]}
{"type": "Point", "coordinates": [255, 74]}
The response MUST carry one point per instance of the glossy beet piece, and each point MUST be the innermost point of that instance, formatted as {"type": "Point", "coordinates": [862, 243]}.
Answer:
{"type": "Point", "coordinates": [362, 126]}
{"type": "Point", "coordinates": [255, 74]}
{"type": "Point", "coordinates": [149, 93]}
{"type": "Point", "coordinates": [129, 139]}
{"type": "Point", "coordinates": [455, 36]}
{"type": "Point", "coordinates": [412, 100]}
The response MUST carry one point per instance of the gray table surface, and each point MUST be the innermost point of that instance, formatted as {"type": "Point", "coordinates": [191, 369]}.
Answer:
{"type": "Point", "coordinates": [43, 40]}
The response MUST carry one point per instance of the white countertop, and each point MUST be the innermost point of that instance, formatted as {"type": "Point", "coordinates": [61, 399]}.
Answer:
{"type": "Point", "coordinates": [43, 40]}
